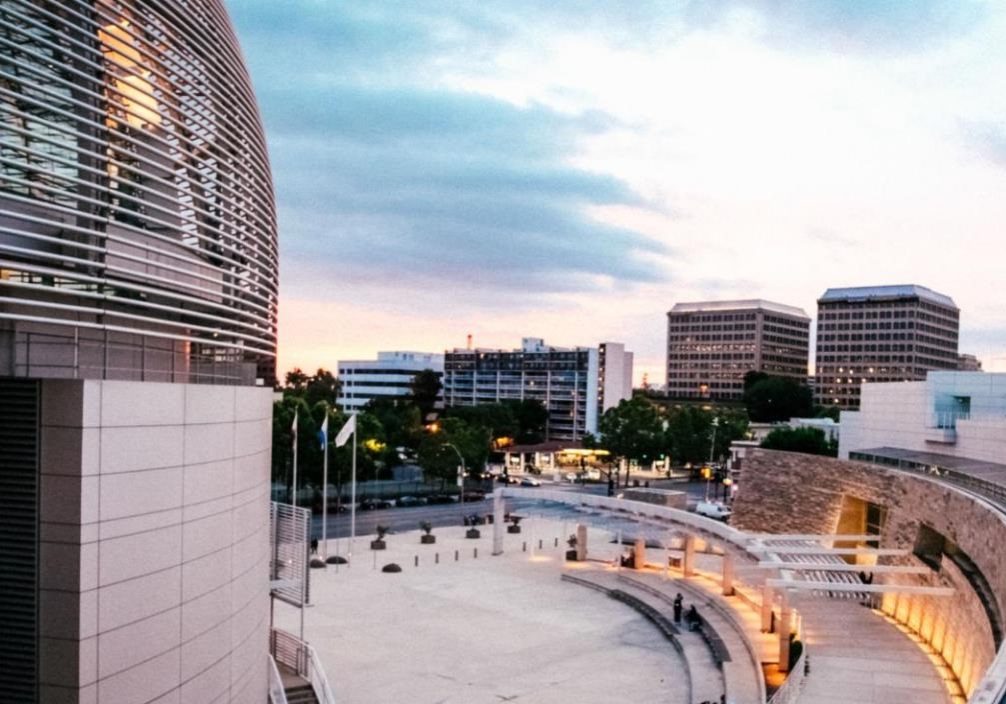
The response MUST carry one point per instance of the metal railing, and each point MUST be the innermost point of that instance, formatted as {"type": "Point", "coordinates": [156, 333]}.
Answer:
{"type": "Point", "coordinates": [277, 695]}
{"type": "Point", "coordinates": [316, 676]}
{"type": "Point", "coordinates": [290, 651]}
{"type": "Point", "coordinates": [790, 689]}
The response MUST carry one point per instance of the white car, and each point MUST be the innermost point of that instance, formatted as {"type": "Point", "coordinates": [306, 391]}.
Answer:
{"type": "Point", "coordinates": [530, 481]}
{"type": "Point", "coordinates": [713, 509]}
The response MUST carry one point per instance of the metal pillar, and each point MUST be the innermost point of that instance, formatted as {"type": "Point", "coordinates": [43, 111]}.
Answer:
{"type": "Point", "coordinates": [498, 513]}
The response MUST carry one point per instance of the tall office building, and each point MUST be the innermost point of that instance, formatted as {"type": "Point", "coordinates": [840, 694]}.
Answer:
{"type": "Point", "coordinates": [881, 333]}
{"type": "Point", "coordinates": [389, 376]}
{"type": "Point", "coordinates": [711, 345]}
{"type": "Point", "coordinates": [138, 297]}
{"type": "Point", "coordinates": [565, 380]}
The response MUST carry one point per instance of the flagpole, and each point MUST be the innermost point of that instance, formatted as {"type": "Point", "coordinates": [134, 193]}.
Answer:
{"type": "Point", "coordinates": [352, 500]}
{"type": "Point", "coordinates": [324, 492]}
{"type": "Point", "coordinates": [294, 501]}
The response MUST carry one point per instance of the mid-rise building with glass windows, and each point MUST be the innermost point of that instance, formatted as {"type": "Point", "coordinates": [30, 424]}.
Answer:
{"type": "Point", "coordinates": [138, 300]}
{"type": "Point", "coordinates": [881, 333]}
{"type": "Point", "coordinates": [390, 376]}
{"type": "Point", "coordinates": [570, 382]}
{"type": "Point", "coordinates": [711, 345]}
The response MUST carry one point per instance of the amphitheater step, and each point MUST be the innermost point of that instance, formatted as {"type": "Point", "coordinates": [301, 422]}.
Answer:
{"type": "Point", "coordinates": [303, 694]}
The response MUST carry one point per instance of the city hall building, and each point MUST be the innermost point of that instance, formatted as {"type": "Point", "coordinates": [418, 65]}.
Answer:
{"type": "Point", "coordinates": [138, 299]}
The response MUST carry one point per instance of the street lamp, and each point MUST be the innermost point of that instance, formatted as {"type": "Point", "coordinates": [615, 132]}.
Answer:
{"type": "Point", "coordinates": [712, 450]}
{"type": "Point", "coordinates": [461, 479]}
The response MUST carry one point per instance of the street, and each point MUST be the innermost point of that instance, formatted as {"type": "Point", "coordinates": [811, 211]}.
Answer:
{"type": "Point", "coordinates": [408, 518]}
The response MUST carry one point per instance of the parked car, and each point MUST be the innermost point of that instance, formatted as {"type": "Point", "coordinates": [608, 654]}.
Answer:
{"type": "Point", "coordinates": [713, 509]}
{"type": "Point", "coordinates": [530, 481]}
{"type": "Point", "coordinates": [407, 501]}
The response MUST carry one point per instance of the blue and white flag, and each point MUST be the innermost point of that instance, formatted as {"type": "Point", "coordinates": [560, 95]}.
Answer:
{"type": "Point", "coordinates": [323, 433]}
{"type": "Point", "coordinates": [348, 429]}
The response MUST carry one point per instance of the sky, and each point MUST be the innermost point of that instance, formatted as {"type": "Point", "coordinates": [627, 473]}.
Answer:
{"type": "Point", "coordinates": [570, 170]}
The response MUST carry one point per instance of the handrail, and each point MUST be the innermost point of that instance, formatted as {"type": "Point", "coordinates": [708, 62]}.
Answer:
{"type": "Point", "coordinates": [790, 689]}
{"type": "Point", "coordinates": [277, 695]}
{"type": "Point", "coordinates": [317, 678]}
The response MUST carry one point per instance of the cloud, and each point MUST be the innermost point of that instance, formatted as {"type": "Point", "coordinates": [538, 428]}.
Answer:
{"type": "Point", "coordinates": [987, 139]}
{"type": "Point", "coordinates": [422, 184]}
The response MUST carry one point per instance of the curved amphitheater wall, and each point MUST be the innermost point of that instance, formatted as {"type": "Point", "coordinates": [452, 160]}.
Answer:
{"type": "Point", "coordinates": [783, 492]}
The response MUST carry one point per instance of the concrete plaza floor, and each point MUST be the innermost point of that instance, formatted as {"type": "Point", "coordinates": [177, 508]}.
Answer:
{"type": "Point", "coordinates": [485, 629]}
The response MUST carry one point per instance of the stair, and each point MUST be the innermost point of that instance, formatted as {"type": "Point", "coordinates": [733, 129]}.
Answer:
{"type": "Point", "coordinates": [301, 694]}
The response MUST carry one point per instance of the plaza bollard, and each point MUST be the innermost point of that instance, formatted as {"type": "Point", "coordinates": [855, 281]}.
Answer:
{"type": "Point", "coordinates": [556, 543]}
{"type": "Point", "coordinates": [455, 555]}
{"type": "Point", "coordinates": [524, 547]}
{"type": "Point", "coordinates": [476, 553]}
{"type": "Point", "coordinates": [417, 560]}
{"type": "Point", "coordinates": [539, 544]}
{"type": "Point", "coordinates": [436, 558]}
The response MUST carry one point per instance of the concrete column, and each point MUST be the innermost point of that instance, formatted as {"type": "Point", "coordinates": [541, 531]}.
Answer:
{"type": "Point", "coordinates": [498, 522]}
{"type": "Point", "coordinates": [766, 609]}
{"type": "Point", "coordinates": [581, 542]}
{"type": "Point", "coordinates": [688, 563]}
{"type": "Point", "coordinates": [728, 574]}
{"type": "Point", "coordinates": [785, 628]}
{"type": "Point", "coordinates": [639, 554]}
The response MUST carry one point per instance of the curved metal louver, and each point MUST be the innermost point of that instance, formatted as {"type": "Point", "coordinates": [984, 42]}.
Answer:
{"type": "Point", "coordinates": [137, 222]}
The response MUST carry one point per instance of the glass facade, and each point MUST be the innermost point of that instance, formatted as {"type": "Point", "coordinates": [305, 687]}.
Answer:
{"type": "Point", "coordinates": [137, 222]}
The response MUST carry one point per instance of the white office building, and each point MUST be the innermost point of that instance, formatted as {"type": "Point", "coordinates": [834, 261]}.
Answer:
{"type": "Point", "coordinates": [388, 376]}
{"type": "Point", "coordinates": [576, 385]}
{"type": "Point", "coordinates": [950, 420]}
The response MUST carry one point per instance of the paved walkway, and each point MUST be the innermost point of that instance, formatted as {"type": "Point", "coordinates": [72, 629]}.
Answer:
{"type": "Point", "coordinates": [857, 657]}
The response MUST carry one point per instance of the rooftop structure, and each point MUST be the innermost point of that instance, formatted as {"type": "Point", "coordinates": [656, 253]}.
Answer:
{"type": "Point", "coordinates": [881, 333]}
{"type": "Point", "coordinates": [711, 345]}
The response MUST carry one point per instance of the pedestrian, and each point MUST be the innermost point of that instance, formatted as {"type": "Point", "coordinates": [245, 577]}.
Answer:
{"type": "Point", "coordinates": [678, 603]}
{"type": "Point", "coordinates": [314, 546]}
{"type": "Point", "coordinates": [693, 618]}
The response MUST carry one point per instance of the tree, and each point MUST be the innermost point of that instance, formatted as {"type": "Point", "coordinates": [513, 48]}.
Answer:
{"type": "Point", "coordinates": [531, 417]}
{"type": "Point", "coordinates": [777, 398]}
{"type": "Point", "coordinates": [439, 461]}
{"type": "Point", "coordinates": [690, 433]}
{"type": "Point", "coordinates": [424, 390]}
{"type": "Point", "coordinates": [296, 379]}
{"type": "Point", "coordinates": [811, 441]}
{"type": "Point", "coordinates": [323, 386]}
{"type": "Point", "coordinates": [633, 430]}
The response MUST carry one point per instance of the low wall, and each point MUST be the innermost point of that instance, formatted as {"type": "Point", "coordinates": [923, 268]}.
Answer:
{"type": "Point", "coordinates": [795, 493]}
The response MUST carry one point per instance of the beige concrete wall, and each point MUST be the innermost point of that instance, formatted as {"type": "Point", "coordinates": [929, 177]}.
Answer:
{"type": "Point", "coordinates": [794, 493]}
{"type": "Point", "coordinates": [155, 545]}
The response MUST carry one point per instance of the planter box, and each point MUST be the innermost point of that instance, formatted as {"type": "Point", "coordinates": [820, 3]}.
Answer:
{"type": "Point", "coordinates": [473, 533]}
{"type": "Point", "coordinates": [378, 545]}
{"type": "Point", "coordinates": [513, 529]}
{"type": "Point", "coordinates": [427, 539]}
{"type": "Point", "coordinates": [571, 555]}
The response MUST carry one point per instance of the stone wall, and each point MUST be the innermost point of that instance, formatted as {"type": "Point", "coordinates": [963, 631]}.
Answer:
{"type": "Point", "coordinates": [795, 493]}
